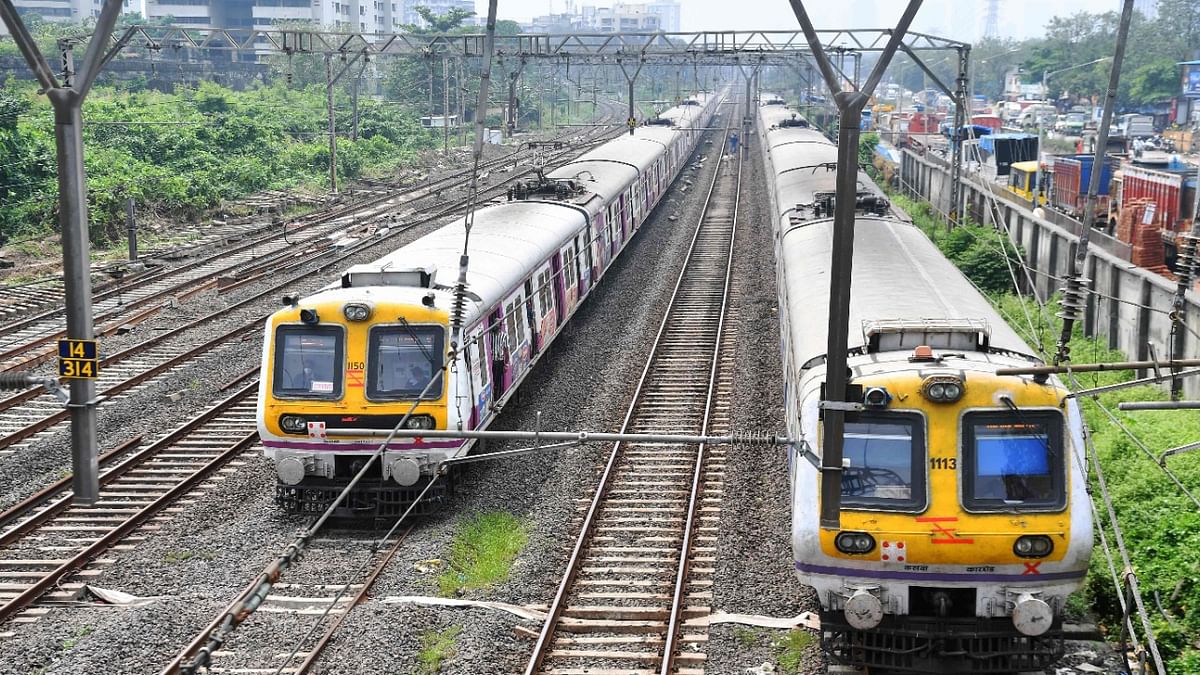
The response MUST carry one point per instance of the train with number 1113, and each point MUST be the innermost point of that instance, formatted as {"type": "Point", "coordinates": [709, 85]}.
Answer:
{"type": "Point", "coordinates": [965, 520]}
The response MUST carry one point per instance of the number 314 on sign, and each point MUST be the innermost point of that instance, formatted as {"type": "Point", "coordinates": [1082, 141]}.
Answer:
{"type": "Point", "coordinates": [78, 359]}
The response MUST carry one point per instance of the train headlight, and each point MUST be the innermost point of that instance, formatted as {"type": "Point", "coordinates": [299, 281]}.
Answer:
{"type": "Point", "coordinates": [356, 311]}
{"type": "Point", "coordinates": [419, 422]}
{"type": "Point", "coordinates": [293, 424]}
{"type": "Point", "coordinates": [309, 317]}
{"type": "Point", "coordinates": [854, 543]}
{"type": "Point", "coordinates": [876, 397]}
{"type": "Point", "coordinates": [1033, 546]}
{"type": "Point", "coordinates": [942, 388]}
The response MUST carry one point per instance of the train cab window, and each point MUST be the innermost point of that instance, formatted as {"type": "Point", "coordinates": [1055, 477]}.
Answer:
{"type": "Point", "coordinates": [885, 462]}
{"type": "Point", "coordinates": [402, 360]}
{"type": "Point", "coordinates": [1013, 460]}
{"type": "Point", "coordinates": [308, 362]}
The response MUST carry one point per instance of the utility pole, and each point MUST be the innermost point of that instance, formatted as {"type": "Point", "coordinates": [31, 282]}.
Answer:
{"type": "Point", "coordinates": [446, 105]}
{"type": "Point", "coordinates": [66, 98]}
{"type": "Point", "coordinates": [330, 81]}
{"type": "Point", "coordinates": [332, 123]}
{"type": "Point", "coordinates": [1187, 268]}
{"type": "Point", "coordinates": [850, 104]}
{"type": "Point", "coordinates": [1075, 291]}
{"type": "Point", "coordinates": [632, 121]}
{"type": "Point", "coordinates": [462, 95]}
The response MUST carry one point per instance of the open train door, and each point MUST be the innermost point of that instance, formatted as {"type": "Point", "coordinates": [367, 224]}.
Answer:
{"type": "Point", "coordinates": [499, 353]}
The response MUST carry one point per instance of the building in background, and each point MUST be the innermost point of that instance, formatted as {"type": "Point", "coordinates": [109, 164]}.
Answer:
{"type": "Point", "coordinates": [66, 11]}
{"type": "Point", "coordinates": [628, 17]}
{"type": "Point", "coordinates": [369, 16]}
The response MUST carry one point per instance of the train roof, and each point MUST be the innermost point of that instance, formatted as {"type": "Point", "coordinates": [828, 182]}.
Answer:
{"type": "Point", "coordinates": [899, 275]}
{"type": "Point", "coordinates": [508, 241]}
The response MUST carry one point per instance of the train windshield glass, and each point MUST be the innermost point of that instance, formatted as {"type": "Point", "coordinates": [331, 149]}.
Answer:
{"type": "Point", "coordinates": [884, 455]}
{"type": "Point", "coordinates": [308, 362]}
{"type": "Point", "coordinates": [1014, 459]}
{"type": "Point", "coordinates": [402, 360]}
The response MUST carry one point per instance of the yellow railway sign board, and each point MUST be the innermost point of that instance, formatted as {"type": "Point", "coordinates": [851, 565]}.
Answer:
{"type": "Point", "coordinates": [78, 359]}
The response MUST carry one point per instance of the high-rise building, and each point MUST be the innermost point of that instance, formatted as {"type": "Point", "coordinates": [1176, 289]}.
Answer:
{"type": "Point", "coordinates": [66, 11]}
{"type": "Point", "coordinates": [367, 16]}
{"type": "Point", "coordinates": [622, 17]}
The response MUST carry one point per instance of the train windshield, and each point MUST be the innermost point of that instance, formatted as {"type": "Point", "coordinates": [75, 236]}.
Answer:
{"type": "Point", "coordinates": [1013, 459]}
{"type": "Point", "coordinates": [885, 458]}
{"type": "Point", "coordinates": [308, 362]}
{"type": "Point", "coordinates": [402, 360]}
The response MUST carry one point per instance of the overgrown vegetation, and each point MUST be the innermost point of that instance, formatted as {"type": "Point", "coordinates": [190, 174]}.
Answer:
{"type": "Point", "coordinates": [181, 153]}
{"type": "Point", "coordinates": [979, 251]}
{"type": "Point", "coordinates": [482, 553]}
{"type": "Point", "coordinates": [437, 647]}
{"type": "Point", "coordinates": [790, 649]}
{"type": "Point", "coordinates": [1160, 524]}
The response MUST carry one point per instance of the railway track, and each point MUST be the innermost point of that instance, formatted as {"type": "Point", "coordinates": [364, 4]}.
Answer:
{"type": "Point", "coordinates": [294, 624]}
{"type": "Point", "coordinates": [28, 415]}
{"type": "Point", "coordinates": [641, 569]}
{"type": "Point", "coordinates": [29, 341]}
{"type": "Point", "coordinates": [49, 546]}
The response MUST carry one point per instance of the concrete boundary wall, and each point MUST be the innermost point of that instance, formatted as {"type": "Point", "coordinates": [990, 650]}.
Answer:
{"type": "Point", "coordinates": [1129, 305]}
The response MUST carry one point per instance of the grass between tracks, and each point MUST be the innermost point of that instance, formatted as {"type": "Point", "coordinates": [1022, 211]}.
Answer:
{"type": "Point", "coordinates": [1160, 524]}
{"type": "Point", "coordinates": [482, 552]}
{"type": "Point", "coordinates": [437, 646]}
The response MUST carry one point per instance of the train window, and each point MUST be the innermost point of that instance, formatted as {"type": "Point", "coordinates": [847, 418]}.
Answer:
{"type": "Point", "coordinates": [1013, 459]}
{"type": "Point", "coordinates": [481, 358]}
{"type": "Point", "coordinates": [885, 462]}
{"type": "Point", "coordinates": [511, 323]}
{"type": "Point", "coordinates": [569, 268]}
{"type": "Point", "coordinates": [545, 293]}
{"type": "Point", "coordinates": [402, 360]}
{"type": "Point", "coordinates": [308, 362]}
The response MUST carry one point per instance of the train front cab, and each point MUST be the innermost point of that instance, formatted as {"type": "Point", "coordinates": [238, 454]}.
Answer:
{"type": "Point", "coordinates": [333, 363]}
{"type": "Point", "coordinates": [958, 544]}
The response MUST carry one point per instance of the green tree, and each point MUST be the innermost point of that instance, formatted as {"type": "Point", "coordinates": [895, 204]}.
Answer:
{"type": "Point", "coordinates": [442, 23]}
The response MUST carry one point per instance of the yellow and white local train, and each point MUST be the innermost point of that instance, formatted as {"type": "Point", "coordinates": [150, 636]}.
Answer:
{"type": "Point", "coordinates": [360, 352]}
{"type": "Point", "coordinates": [965, 520]}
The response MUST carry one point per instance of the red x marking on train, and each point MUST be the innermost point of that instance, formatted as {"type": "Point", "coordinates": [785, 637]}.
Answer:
{"type": "Point", "coordinates": [1031, 568]}
{"type": "Point", "coordinates": [950, 536]}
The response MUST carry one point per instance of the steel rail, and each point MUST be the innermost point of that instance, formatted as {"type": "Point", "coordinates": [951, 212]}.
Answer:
{"type": "Point", "coordinates": [10, 515]}
{"type": "Point", "coordinates": [673, 624]}
{"type": "Point", "coordinates": [129, 524]}
{"type": "Point", "coordinates": [37, 499]}
{"type": "Point", "coordinates": [313, 654]}
{"type": "Point", "coordinates": [554, 615]}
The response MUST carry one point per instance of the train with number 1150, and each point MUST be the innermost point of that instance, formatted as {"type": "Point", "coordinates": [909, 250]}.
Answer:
{"type": "Point", "coordinates": [366, 350]}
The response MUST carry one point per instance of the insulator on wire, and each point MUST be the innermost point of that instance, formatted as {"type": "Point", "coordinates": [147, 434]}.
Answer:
{"type": "Point", "coordinates": [1074, 298]}
{"type": "Point", "coordinates": [752, 438]}
{"type": "Point", "coordinates": [1188, 258]}
{"type": "Point", "coordinates": [14, 381]}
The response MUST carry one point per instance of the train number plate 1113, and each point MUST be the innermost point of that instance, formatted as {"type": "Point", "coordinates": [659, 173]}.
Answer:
{"type": "Point", "coordinates": [78, 359]}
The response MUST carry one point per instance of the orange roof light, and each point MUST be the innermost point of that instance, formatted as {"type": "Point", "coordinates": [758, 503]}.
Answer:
{"type": "Point", "coordinates": [922, 353]}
